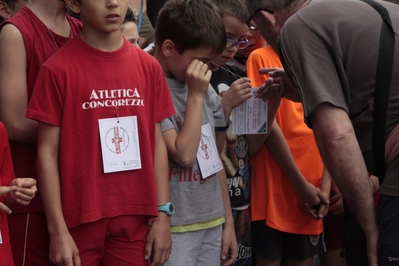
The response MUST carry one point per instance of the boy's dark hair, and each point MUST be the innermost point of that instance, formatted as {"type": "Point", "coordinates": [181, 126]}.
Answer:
{"type": "Point", "coordinates": [10, 3]}
{"type": "Point", "coordinates": [234, 8]}
{"type": "Point", "coordinates": [191, 24]}
{"type": "Point", "coordinates": [129, 16]}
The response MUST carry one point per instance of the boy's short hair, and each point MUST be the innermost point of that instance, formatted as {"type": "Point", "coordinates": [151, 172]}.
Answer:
{"type": "Point", "coordinates": [234, 8]}
{"type": "Point", "coordinates": [129, 16]}
{"type": "Point", "coordinates": [10, 3]}
{"type": "Point", "coordinates": [191, 24]}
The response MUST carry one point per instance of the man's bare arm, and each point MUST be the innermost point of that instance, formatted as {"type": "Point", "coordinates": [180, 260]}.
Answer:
{"type": "Point", "coordinates": [341, 153]}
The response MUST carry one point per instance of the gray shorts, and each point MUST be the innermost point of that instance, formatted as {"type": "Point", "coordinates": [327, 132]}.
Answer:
{"type": "Point", "coordinates": [197, 248]}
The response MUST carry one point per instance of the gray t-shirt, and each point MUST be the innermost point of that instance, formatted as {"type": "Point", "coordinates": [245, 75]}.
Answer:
{"type": "Point", "coordinates": [195, 199]}
{"type": "Point", "coordinates": [330, 50]}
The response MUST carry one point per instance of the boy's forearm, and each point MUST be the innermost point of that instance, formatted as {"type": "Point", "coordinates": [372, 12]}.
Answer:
{"type": "Point", "coordinates": [49, 178]}
{"type": "Point", "coordinates": [325, 185]}
{"type": "Point", "coordinates": [281, 153]}
{"type": "Point", "coordinates": [161, 168]}
{"type": "Point", "coordinates": [187, 139]}
{"type": "Point", "coordinates": [255, 141]}
{"type": "Point", "coordinates": [221, 175]}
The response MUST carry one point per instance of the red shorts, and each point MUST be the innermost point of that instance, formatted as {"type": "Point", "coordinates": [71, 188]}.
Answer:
{"type": "Point", "coordinates": [5, 246]}
{"type": "Point", "coordinates": [30, 241]}
{"type": "Point", "coordinates": [112, 241]}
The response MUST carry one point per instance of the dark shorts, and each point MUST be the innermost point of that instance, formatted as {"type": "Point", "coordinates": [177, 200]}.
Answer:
{"type": "Point", "coordinates": [273, 244]}
{"type": "Point", "coordinates": [388, 218]}
{"type": "Point", "coordinates": [333, 233]}
{"type": "Point", "coordinates": [242, 226]}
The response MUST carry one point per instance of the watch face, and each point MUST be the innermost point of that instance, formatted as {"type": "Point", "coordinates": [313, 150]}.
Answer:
{"type": "Point", "coordinates": [171, 208]}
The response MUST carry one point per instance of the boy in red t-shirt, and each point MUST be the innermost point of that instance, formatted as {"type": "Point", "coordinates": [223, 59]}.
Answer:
{"type": "Point", "coordinates": [27, 40]}
{"type": "Point", "coordinates": [102, 160]}
{"type": "Point", "coordinates": [12, 189]}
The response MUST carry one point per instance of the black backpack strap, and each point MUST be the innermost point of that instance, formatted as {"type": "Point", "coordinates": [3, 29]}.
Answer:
{"type": "Point", "coordinates": [382, 86]}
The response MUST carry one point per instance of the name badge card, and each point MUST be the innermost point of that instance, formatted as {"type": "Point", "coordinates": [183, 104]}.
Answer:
{"type": "Point", "coordinates": [250, 117]}
{"type": "Point", "coordinates": [120, 144]}
{"type": "Point", "coordinates": [207, 154]}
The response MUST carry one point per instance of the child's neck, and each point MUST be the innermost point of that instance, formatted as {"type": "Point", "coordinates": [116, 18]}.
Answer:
{"type": "Point", "coordinates": [107, 42]}
{"type": "Point", "coordinates": [52, 14]}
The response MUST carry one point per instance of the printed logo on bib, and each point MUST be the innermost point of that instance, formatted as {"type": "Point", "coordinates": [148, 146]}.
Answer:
{"type": "Point", "coordinates": [314, 239]}
{"type": "Point", "coordinates": [117, 139]}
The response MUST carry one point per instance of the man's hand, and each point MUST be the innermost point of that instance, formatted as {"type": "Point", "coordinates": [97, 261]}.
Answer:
{"type": "Point", "coordinates": [159, 240]}
{"type": "Point", "coordinates": [278, 85]}
{"type": "Point", "coordinates": [336, 204]}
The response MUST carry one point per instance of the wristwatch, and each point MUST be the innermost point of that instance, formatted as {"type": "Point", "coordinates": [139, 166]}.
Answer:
{"type": "Point", "coordinates": [168, 208]}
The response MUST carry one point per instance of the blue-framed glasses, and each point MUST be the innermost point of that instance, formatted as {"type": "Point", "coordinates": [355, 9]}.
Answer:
{"type": "Point", "coordinates": [242, 44]}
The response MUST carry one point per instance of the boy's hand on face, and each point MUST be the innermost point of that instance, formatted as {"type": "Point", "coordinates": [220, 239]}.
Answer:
{"type": "Point", "coordinates": [197, 77]}
{"type": "Point", "coordinates": [25, 190]}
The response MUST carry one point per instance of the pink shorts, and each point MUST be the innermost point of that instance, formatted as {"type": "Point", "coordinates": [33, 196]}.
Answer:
{"type": "Point", "coordinates": [112, 241]}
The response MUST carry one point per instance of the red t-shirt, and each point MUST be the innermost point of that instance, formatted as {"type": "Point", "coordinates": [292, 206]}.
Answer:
{"type": "Point", "coordinates": [39, 46]}
{"type": "Point", "coordinates": [6, 176]}
{"type": "Point", "coordinates": [76, 87]}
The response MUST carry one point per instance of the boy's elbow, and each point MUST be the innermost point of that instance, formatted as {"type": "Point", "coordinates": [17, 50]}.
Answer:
{"type": "Point", "coordinates": [187, 162]}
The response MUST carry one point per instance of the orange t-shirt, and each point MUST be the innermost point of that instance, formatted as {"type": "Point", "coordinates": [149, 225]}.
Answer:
{"type": "Point", "coordinates": [272, 196]}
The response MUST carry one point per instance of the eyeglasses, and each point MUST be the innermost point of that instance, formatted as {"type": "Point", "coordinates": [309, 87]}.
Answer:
{"type": "Point", "coordinates": [240, 44]}
{"type": "Point", "coordinates": [251, 22]}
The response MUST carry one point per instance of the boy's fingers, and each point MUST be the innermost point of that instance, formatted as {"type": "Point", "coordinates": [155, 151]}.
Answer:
{"type": "Point", "coordinates": [148, 249]}
{"type": "Point", "coordinates": [27, 183]}
{"type": "Point", "coordinates": [5, 208]}
{"type": "Point", "coordinates": [5, 189]}
{"type": "Point", "coordinates": [29, 192]}
{"type": "Point", "coordinates": [267, 70]}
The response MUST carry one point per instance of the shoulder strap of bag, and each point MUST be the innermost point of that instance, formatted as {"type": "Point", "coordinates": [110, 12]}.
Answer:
{"type": "Point", "coordinates": [382, 86]}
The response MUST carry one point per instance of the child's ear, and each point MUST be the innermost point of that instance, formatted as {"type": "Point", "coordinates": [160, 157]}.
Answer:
{"type": "Point", "coordinates": [4, 11]}
{"type": "Point", "coordinates": [168, 47]}
{"type": "Point", "coordinates": [74, 5]}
